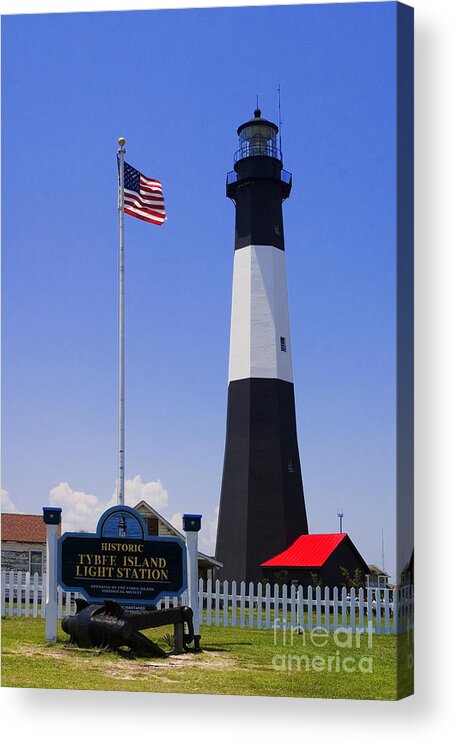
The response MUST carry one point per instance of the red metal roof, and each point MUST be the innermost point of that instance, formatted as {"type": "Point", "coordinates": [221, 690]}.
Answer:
{"type": "Point", "coordinates": [307, 551]}
{"type": "Point", "coordinates": [24, 528]}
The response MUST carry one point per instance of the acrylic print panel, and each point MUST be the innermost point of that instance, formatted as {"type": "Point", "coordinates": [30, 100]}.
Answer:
{"type": "Point", "coordinates": [268, 346]}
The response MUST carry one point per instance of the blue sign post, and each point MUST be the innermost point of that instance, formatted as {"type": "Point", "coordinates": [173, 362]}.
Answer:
{"type": "Point", "coordinates": [121, 562]}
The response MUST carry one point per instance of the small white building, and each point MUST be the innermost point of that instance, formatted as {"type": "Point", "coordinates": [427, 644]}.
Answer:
{"type": "Point", "coordinates": [24, 543]}
{"type": "Point", "coordinates": [377, 577]}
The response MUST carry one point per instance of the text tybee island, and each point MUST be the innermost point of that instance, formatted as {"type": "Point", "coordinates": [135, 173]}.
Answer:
{"type": "Point", "coordinates": [125, 561]}
{"type": "Point", "coordinates": [122, 562]}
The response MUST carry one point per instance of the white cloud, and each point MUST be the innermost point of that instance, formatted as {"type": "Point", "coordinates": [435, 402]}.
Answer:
{"type": "Point", "coordinates": [81, 511]}
{"type": "Point", "coordinates": [136, 490]}
{"type": "Point", "coordinates": [8, 505]}
{"type": "Point", "coordinates": [176, 521]}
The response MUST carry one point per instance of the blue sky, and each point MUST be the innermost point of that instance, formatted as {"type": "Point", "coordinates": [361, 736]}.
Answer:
{"type": "Point", "coordinates": [177, 84]}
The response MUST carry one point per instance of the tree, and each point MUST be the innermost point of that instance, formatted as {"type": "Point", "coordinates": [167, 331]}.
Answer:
{"type": "Point", "coordinates": [355, 580]}
{"type": "Point", "coordinates": [281, 577]}
{"type": "Point", "coordinates": [316, 580]}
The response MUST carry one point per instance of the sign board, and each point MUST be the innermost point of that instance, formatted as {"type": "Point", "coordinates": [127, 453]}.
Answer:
{"type": "Point", "coordinates": [120, 562]}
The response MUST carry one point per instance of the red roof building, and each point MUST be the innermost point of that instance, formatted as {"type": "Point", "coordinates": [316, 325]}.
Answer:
{"type": "Point", "coordinates": [24, 542]}
{"type": "Point", "coordinates": [316, 559]}
{"type": "Point", "coordinates": [23, 528]}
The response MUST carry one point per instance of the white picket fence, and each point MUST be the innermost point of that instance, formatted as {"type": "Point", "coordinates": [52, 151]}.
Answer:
{"type": "Point", "coordinates": [25, 595]}
{"type": "Point", "coordinates": [375, 610]}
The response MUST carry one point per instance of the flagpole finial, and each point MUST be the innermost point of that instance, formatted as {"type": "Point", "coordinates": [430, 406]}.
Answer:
{"type": "Point", "coordinates": [121, 141]}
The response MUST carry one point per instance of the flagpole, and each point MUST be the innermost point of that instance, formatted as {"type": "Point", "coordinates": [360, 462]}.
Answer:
{"type": "Point", "coordinates": [121, 331]}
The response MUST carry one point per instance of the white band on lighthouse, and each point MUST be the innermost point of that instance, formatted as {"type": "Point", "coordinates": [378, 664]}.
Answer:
{"type": "Point", "coordinates": [260, 345]}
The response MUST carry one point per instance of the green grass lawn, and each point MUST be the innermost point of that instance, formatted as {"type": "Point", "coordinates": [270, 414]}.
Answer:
{"type": "Point", "coordinates": [233, 661]}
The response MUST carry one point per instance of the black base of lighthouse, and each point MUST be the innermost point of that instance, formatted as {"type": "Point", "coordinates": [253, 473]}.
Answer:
{"type": "Point", "coordinates": [262, 509]}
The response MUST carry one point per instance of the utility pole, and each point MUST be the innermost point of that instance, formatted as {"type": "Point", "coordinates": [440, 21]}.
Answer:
{"type": "Point", "coordinates": [340, 515]}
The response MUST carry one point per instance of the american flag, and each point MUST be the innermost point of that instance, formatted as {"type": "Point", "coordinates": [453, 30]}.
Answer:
{"type": "Point", "coordinates": [143, 197]}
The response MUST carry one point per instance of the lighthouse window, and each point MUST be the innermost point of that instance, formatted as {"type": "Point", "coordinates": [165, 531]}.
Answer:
{"type": "Point", "coordinates": [291, 466]}
{"type": "Point", "coordinates": [283, 344]}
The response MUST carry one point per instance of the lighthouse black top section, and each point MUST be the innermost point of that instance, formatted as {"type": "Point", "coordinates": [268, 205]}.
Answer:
{"type": "Point", "coordinates": [258, 185]}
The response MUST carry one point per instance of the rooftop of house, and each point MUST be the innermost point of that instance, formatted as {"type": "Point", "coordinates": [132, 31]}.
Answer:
{"type": "Point", "coordinates": [310, 550]}
{"type": "Point", "coordinates": [377, 571]}
{"type": "Point", "coordinates": [24, 528]}
{"type": "Point", "coordinates": [204, 559]}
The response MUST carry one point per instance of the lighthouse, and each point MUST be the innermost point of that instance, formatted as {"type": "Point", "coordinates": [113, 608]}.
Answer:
{"type": "Point", "coordinates": [262, 509]}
